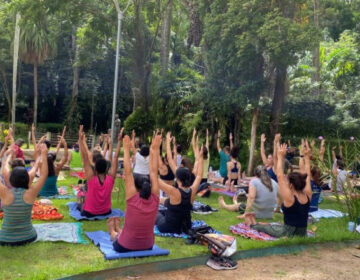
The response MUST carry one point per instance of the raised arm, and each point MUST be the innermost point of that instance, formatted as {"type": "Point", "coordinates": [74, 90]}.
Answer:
{"type": "Point", "coordinates": [218, 141]}
{"type": "Point", "coordinates": [33, 137]}
{"type": "Point", "coordinates": [262, 149]}
{"type": "Point", "coordinates": [6, 168]}
{"type": "Point", "coordinates": [109, 155]}
{"type": "Point", "coordinates": [194, 187]}
{"type": "Point", "coordinates": [307, 153]}
{"type": "Point", "coordinates": [171, 161]}
{"type": "Point", "coordinates": [130, 189]}
{"type": "Point", "coordinates": [302, 159]}
{"type": "Point", "coordinates": [59, 144]}
{"type": "Point", "coordinates": [276, 142]}
{"type": "Point", "coordinates": [89, 173]}
{"type": "Point", "coordinates": [4, 148]}
{"type": "Point", "coordinates": [115, 159]}
{"type": "Point", "coordinates": [154, 163]}
{"type": "Point", "coordinates": [322, 150]}
{"type": "Point", "coordinates": [33, 191]}
{"type": "Point", "coordinates": [341, 151]}
{"type": "Point", "coordinates": [284, 188]}
{"type": "Point", "coordinates": [231, 141]}
{"type": "Point", "coordinates": [64, 158]}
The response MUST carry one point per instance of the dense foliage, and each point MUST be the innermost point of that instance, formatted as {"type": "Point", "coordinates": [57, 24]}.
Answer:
{"type": "Point", "coordinates": [206, 63]}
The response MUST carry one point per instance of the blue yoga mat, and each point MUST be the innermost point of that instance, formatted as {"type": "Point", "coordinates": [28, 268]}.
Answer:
{"type": "Point", "coordinates": [102, 240]}
{"type": "Point", "coordinates": [75, 213]}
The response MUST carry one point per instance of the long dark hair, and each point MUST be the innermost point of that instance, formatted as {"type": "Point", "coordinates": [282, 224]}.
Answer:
{"type": "Point", "coordinates": [298, 180]}
{"type": "Point", "coordinates": [142, 185]}
{"type": "Point", "coordinates": [51, 167]}
{"type": "Point", "coordinates": [19, 178]}
{"type": "Point", "coordinates": [261, 172]}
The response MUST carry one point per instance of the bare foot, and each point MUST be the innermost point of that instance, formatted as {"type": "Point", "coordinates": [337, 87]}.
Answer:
{"type": "Point", "coordinates": [248, 219]}
{"type": "Point", "coordinates": [221, 202]}
{"type": "Point", "coordinates": [117, 222]}
{"type": "Point", "coordinates": [110, 224]}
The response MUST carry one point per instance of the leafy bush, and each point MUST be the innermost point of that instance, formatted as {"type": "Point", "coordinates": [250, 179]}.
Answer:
{"type": "Point", "coordinates": [143, 123]}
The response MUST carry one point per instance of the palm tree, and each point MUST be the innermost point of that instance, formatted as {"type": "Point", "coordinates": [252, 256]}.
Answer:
{"type": "Point", "coordinates": [36, 45]}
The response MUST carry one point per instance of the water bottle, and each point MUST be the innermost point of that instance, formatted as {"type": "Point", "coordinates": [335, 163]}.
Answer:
{"type": "Point", "coordinates": [210, 169]}
{"type": "Point", "coordinates": [351, 226]}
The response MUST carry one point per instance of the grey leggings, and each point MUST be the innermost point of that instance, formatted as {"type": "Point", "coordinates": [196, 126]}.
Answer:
{"type": "Point", "coordinates": [280, 230]}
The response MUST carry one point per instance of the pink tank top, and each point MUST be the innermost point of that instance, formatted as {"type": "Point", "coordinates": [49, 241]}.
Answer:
{"type": "Point", "coordinates": [140, 216]}
{"type": "Point", "coordinates": [98, 197]}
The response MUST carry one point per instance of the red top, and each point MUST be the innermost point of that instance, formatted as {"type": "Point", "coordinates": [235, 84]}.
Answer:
{"type": "Point", "coordinates": [98, 196]}
{"type": "Point", "coordinates": [18, 152]}
{"type": "Point", "coordinates": [140, 216]}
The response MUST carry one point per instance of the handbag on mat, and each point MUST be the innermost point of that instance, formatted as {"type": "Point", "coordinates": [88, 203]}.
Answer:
{"type": "Point", "coordinates": [219, 244]}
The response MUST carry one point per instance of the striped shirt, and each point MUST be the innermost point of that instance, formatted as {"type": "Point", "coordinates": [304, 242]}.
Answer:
{"type": "Point", "coordinates": [17, 226]}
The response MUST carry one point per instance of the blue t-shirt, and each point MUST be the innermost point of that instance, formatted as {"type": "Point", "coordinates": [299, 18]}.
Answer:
{"type": "Point", "coordinates": [272, 174]}
{"type": "Point", "coordinates": [224, 159]}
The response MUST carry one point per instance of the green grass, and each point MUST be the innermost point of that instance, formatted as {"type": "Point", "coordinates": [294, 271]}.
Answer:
{"type": "Point", "coordinates": [45, 260]}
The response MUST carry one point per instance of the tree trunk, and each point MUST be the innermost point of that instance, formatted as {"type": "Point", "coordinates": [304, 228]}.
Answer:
{"type": "Point", "coordinates": [6, 91]}
{"type": "Point", "coordinates": [316, 52]}
{"type": "Point", "coordinates": [237, 129]}
{"type": "Point", "coordinates": [165, 38]}
{"type": "Point", "coordinates": [15, 64]}
{"type": "Point", "coordinates": [35, 93]}
{"type": "Point", "coordinates": [253, 141]}
{"type": "Point", "coordinates": [278, 100]}
{"type": "Point", "coordinates": [195, 28]}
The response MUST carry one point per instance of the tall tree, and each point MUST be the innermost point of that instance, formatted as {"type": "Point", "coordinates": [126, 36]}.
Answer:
{"type": "Point", "coordinates": [165, 37]}
{"type": "Point", "coordinates": [36, 45]}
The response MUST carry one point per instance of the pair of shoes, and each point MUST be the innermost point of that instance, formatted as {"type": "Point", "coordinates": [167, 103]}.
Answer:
{"type": "Point", "coordinates": [221, 263]}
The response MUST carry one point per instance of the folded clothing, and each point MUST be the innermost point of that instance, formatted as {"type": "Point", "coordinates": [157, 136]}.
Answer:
{"type": "Point", "coordinates": [76, 214]}
{"type": "Point", "coordinates": [326, 213]}
{"type": "Point", "coordinates": [103, 241]}
{"type": "Point", "coordinates": [194, 226]}
{"type": "Point", "coordinates": [66, 232]}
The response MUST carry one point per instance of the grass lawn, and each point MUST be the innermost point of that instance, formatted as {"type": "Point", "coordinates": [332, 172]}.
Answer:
{"type": "Point", "coordinates": [45, 260]}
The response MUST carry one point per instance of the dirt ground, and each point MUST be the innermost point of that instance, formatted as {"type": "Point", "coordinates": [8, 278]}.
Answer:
{"type": "Point", "coordinates": [311, 265]}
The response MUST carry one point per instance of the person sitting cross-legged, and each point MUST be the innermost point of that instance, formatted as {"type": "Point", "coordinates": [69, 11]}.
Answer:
{"type": "Point", "coordinates": [99, 183]}
{"type": "Point", "coordinates": [142, 203]}
{"type": "Point", "coordinates": [17, 203]}
{"type": "Point", "coordinates": [296, 193]}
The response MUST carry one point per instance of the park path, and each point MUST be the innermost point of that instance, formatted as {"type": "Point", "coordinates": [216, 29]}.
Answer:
{"type": "Point", "coordinates": [324, 264]}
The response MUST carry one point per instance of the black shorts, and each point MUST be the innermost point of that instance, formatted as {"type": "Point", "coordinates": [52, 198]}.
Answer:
{"type": "Point", "coordinates": [121, 249]}
{"type": "Point", "coordinates": [232, 180]}
{"type": "Point", "coordinates": [89, 215]}
{"type": "Point", "coordinates": [19, 243]}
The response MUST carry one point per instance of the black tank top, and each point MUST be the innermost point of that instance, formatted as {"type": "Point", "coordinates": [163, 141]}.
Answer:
{"type": "Point", "coordinates": [297, 214]}
{"type": "Point", "coordinates": [169, 176]}
{"type": "Point", "coordinates": [178, 217]}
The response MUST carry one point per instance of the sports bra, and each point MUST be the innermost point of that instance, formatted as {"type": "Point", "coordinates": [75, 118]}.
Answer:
{"type": "Point", "coordinates": [235, 168]}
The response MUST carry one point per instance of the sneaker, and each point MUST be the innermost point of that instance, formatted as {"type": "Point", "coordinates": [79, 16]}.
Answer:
{"type": "Point", "coordinates": [221, 263]}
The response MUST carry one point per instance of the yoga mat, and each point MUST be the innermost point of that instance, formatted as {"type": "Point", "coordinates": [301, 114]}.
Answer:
{"type": "Point", "coordinates": [66, 232]}
{"type": "Point", "coordinates": [102, 240]}
{"type": "Point", "coordinates": [75, 213]}
{"type": "Point", "coordinates": [222, 191]}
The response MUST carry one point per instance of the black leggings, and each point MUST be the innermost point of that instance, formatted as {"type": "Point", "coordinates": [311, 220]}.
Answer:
{"type": "Point", "coordinates": [88, 214]}
{"type": "Point", "coordinates": [19, 243]}
{"type": "Point", "coordinates": [121, 249]}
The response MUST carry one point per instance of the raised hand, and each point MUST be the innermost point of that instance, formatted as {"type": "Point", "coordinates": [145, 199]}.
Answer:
{"type": "Point", "coordinates": [168, 137]}
{"type": "Point", "coordinates": [281, 150]}
{"type": "Point", "coordinates": [127, 142]}
{"type": "Point", "coordinates": [219, 134]}
{"type": "Point", "coordinates": [307, 150]}
{"type": "Point", "coordinates": [120, 136]}
{"type": "Point", "coordinates": [263, 138]}
{"type": "Point", "coordinates": [277, 138]}
{"type": "Point", "coordinates": [231, 136]}
{"type": "Point", "coordinates": [44, 149]}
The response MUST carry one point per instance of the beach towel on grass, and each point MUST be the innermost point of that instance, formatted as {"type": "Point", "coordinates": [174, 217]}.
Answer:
{"type": "Point", "coordinates": [66, 232]}
{"type": "Point", "coordinates": [326, 213]}
{"type": "Point", "coordinates": [75, 213]}
{"type": "Point", "coordinates": [103, 241]}
{"type": "Point", "coordinates": [247, 232]}
{"type": "Point", "coordinates": [195, 224]}
{"type": "Point", "coordinates": [43, 212]}
{"type": "Point", "coordinates": [78, 174]}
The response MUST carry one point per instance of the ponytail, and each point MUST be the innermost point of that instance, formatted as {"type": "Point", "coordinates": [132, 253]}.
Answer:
{"type": "Point", "coordinates": [142, 185]}
{"type": "Point", "coordinates": [145, 190]}
{"type": "Point", "coordinates": [263, 175]}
